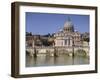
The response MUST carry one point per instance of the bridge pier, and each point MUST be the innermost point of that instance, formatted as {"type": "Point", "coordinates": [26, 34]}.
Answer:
{"type": "Point", "coordinates": [31, 54]}
{"type": "Point", "coordinates": [35, 52]}
{"type": "Point", "coordinates": [55, 52]}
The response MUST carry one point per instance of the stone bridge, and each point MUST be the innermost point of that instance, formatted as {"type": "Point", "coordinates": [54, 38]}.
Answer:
{"type": "Point", "coordinates": [56, 51]}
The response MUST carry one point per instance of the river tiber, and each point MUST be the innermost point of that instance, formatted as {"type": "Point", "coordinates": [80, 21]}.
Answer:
{"type": "Point", "coordinates": [67, 46]}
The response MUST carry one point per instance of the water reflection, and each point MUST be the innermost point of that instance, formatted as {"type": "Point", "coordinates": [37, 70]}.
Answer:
{"type": "Point", "coordinates": [55, 61]}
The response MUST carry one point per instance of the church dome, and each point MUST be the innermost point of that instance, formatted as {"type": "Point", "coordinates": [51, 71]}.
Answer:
{"type": "Point", "coordinates": [68, 26]}
{"type": "Point", "coordinates": [68, 23]}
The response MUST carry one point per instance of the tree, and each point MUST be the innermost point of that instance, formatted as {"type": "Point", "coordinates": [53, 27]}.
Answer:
{"type": "Point", "coordinates": [28, 33]}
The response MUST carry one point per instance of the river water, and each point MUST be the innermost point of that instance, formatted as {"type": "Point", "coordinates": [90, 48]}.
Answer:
{"type": "Point", "coordinates": [55, 61]}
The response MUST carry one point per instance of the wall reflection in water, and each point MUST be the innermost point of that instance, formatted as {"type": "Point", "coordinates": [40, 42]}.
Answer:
{"type": "Point", "coordinates": [55, 61]}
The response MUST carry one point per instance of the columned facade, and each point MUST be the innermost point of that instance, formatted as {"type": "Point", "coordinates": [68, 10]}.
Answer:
{"type": "Point", "coordinates": [67, 36]}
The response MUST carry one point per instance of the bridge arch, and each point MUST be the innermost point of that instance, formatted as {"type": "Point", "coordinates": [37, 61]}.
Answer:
{"type": "Point", "coordinates": [80, 52]}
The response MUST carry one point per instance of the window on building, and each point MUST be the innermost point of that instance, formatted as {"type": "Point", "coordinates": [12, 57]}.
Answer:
{"type": "Point", "coordinates": [69, 41]}
{"type": "Point", "coordinates": [66, 42]}
{"type": "Point", "coordinates": [62, 43]}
